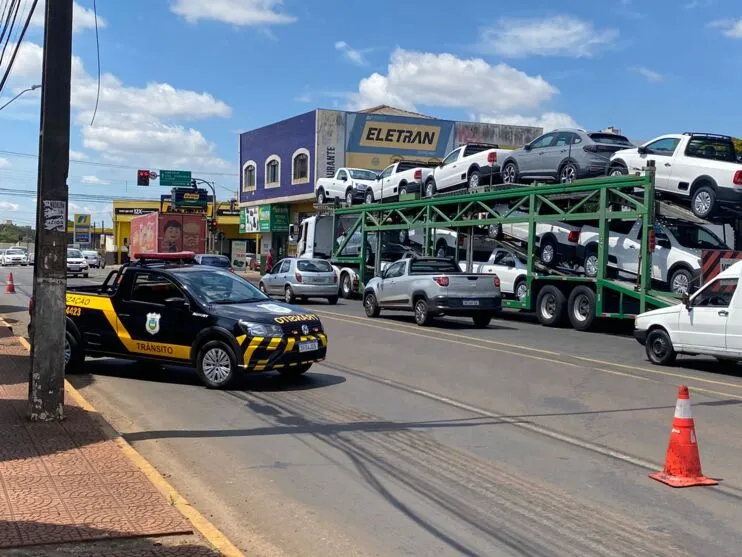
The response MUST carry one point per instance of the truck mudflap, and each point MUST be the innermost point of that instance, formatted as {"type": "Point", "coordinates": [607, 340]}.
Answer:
{"type": "Point", "coordinates": [265, 353]}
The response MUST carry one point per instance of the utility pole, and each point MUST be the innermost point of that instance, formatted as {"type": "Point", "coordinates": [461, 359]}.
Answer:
{"type": "Point", "coordinates": [46, 383]}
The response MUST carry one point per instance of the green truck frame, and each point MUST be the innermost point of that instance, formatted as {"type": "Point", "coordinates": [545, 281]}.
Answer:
{"type": "Point", "coordinates": [555, 297]}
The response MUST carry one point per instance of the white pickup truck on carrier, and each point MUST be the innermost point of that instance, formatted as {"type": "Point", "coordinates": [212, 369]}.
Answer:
{"type": "Point", "coordinates": [469, 165]}
{"type": "Point", "coordinates": [401, 178]}
{"type": "Point", "coordinates": [348, 184]}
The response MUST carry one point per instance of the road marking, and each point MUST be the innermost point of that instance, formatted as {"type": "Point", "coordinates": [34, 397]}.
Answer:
{"type": "Point", "coordinates": [446, 333]}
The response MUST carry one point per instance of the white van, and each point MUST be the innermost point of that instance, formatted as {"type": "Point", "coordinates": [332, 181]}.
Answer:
{"type": "Point", "coordinates": [707, 323]}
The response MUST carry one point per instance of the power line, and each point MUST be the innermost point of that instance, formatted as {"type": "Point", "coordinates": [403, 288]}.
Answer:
{"type": "Point", "coordinates": [18, 44]}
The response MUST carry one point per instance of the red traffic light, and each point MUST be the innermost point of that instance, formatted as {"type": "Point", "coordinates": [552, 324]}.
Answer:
{"type": "Point", "coordinates": [143, 178]}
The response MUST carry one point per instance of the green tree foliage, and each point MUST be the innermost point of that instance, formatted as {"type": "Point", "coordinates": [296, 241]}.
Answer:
{"type": "Point", "coordinates": [738, 146]}
{"type": "Point", "coordinates": [11, 233]}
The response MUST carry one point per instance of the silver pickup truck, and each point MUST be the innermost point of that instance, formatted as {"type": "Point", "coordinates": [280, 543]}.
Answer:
{"type": "Point", "coordinates": [432, 287]}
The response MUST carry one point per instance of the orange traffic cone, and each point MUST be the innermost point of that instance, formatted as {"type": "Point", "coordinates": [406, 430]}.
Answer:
{"type": "Point", "coordinates": [683, 463]}
{"type": "Point", "coordinates": [10, 288]}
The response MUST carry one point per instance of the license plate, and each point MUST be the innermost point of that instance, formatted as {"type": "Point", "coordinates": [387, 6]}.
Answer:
{"type": "Point", "coordinates": [308, 346]}
{"type": "Point", "coordinates": [471, 302]}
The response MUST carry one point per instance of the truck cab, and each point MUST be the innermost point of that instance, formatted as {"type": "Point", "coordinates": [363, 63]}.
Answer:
{"type": "Point", "coordinates": [707, 323]}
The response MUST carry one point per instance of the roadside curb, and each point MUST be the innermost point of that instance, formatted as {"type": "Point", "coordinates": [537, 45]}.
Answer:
{"type": "Point", "coordinates": [205, 528]}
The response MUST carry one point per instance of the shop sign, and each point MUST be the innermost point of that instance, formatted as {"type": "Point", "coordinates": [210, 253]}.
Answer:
{"type": "Point", "coordinates": [273, 218]}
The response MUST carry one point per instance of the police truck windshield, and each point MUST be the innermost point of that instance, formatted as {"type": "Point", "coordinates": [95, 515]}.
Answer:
{"type": "Point", "coordinates": [220, 287]}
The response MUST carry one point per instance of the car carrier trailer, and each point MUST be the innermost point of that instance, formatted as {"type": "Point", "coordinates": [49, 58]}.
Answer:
{"type": "Point", "coordinates": [556, 296]}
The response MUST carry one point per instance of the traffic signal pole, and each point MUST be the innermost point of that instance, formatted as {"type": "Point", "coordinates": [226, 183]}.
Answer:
{"type": "Point", "coordinates": [46, 383]}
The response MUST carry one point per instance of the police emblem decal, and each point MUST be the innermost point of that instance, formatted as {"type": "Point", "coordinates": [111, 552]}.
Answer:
{"type": "Point", "coordinates": [153, 323]}
{"type": "Point", "coordinates": [305, 329]}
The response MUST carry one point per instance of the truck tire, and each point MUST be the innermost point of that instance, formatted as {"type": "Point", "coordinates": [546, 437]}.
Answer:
{"type": "Point", "coordinates": [216, 364]}
{"type": "Point", "coordinates": [430, 188]}
{"type": "Point", "coordinates": [550, 306]}
{"type": "Point", "coordinates": [549, 252]}
{"type": "Point", "coordinates": [74, 356]}
{"type": "Point", "coordinates": [332, 300]}
{"type": "Point", "coordinates": [703, 202]}
{"type": "Point", "coordinates": [346, 286]}
{"type": "Point", "coordinates": [618, 169]}
{"type": "Point", "coordinates": [481, 320]}
{"type": "Point", "coordinates": [321, 199]}
{"type": "Point", "coordinates": [474, 177]}
{"type": "Point", "coordinates": [680, 280]}
{"type": "Point", "coordinates": [422, 313]}
{"type": "Point", "coordinates": [509, 173]}
{"type": "Point", "coordinates": [520, 289]}
{"type": "Point", "coordinates": [581, 308]}
{"type": "Point", "coordinates": [369, 196]}
{"type": "Point", "coordinates": [590, 264]}
{"type": "Point", "coordinates": [403, 190]}
{"type": "Point", "coordinates": [349, 197]}
{"type": "Point", "coordinates": [568, 173]}
{"type": "Point", "coordinates": [659, 348]}
{"type": "Point", "coordinates": [370, 305]}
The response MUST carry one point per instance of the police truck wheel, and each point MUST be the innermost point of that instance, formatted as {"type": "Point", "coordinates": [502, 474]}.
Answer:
{"type": "Point", "coordinates": [370, 305]}
{"type": "Point", "coordinates": [295, 371]}
{"type": "Point", "coordinates": [74, 357]}
{"type": "Point", "coordinates": [481, 320]}
{"type": "Point", "coordinates": [288, 295]}
{"type": "Point", "coordinates": [422, 313]}
{"type": "Point", "coordinates": [346, 286]}
{"type": "Point", "coordinates": [216, 364]}
{"type": "Point", "coordinates": [659, 348]}
{"type": "Point", "coordinates": [581, 308]}
{"type": "Point", "coordinates": [332, 300]}
{"type": "Point", "coordinates": [550, 305]}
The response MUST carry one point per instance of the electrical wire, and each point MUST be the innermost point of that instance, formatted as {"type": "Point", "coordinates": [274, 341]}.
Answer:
{"type": "Point", "coordinates": [18, 44]}
{"type": "Point", "coordinates": [97, 51]}
{"type": "Point", "coordinates": [7, 30]}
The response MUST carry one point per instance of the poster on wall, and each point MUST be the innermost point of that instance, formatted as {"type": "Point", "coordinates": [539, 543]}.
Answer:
{"type": "Point", "coordinates": [194, 233]}
{"type": "Point", "coordinates": [330, 143]}
{"type": "Point", "coordinates": [249, 220]}
{"type": "Point", "coordinates": [239, 255]}
{"type": "Point", "coordinates": [375, 141]}
{"type": "Point", "coordinates": [265, 243]}
{"type": "Point", "coordinates": [143, 234]}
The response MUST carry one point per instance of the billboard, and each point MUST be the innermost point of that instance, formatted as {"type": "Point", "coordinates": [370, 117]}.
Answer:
{"type": "Point", "coordinates": [375, 141]}
{"type": "Point", "coordinates": [249, 220]}
{"type": "Point", "coordinates": [182, 233]}
{"type": "Point", "coordinates": [143, 234]}
{"type": "Point", "coordinates": [239, 255]}
{"type": "Point", "coordinates": [329, 143]}
{"type": "Point", "coordinates": [82, 229]}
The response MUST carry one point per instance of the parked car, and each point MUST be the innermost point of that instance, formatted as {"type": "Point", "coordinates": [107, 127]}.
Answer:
{"type": "Point", "coordinates": [706, 323]}
{"type": "Point", "coordinates": [701, 167]}
{"type": "Point", "coordinates": [348, 184]}
{"type": "Point", "coordinates": [563, 155]}
{"type": "Point", "coordinates": [31, 258]}
{"type": "Point", "coordinates": [14, 256]}
{"type": "Point", "coordinates": [76, 263]}
{"type": "Point", "coordinates": [93, 258]}
{"type": "Point", "coordinates": [469, 165]}
{"type": "Point", "coordinates": [676, 261]}
{"type": "Point", "coordinates": [432, 287]}
{"type": "Point", "coordinates": [400, 178]}
{"type": "Point", "coordinates": [509, 266]}
{"type": "Point", "coordinates": [301, 278]}
{"type": "Point", "coordinates": [212, 260]}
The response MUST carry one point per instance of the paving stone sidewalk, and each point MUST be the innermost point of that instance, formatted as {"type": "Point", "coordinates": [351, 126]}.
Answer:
{"type": "Point", "coordinates": [66, 483]}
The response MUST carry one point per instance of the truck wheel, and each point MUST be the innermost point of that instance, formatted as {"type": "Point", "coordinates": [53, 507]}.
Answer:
{"type": "Point", "coordinates": [288, 295]}
{"type": "Point", "coordinates": [346, 286]}
{"type": "Point", "coordinates": [680, 281]}
{"type": "Point", "coordinates": [520, 289]}
{"type": "Point", "coordinates": [703, 202]}
{"type": "Point", "coordinates": [216, 364]}
{"type": "Point", "coordinates": [568, 173]}
{"type": "Point", "coordinates": [618, 170]}
{"type": "Point", "coordinates": [659, 348]}
{"type": "Point", "coordinates": [332, 300]}
{"type": "Point", "coordinates": [349, 197]}
{"type": "Point", "coordinates": [509, 173]}
{"type": "Point", "coordinates": [370, 305]}
{"type": "Point", "coordinates": [321, 199]}
{"type": "Point", "coordinates": [474, 179]}
{"type": "Point", "coordinates": [422, 313]}
{"type": "Point", "coordinates": [295, 371]}
{"type": "Point", "coordinates": [549, 252]}
{"type": "Point", "coordinates": [403, 190]}
{"type": "Point", "coordinates": [581, 306]}
{"type": "Point", "coordinates": [369, 196]}
{"type": "Point", "coordinates": [482, 320]}
{"type": "Point", "coordinates": [550, 306]}
{"type": "Point", "coordinates": [591, 264]}
{"type": "Point", "coordinates": [74, 356]}
{"type": "Point", "coordinates": [430, 188]}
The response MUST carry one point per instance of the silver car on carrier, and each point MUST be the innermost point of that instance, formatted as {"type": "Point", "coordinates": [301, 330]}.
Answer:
{"type": "Point", "coordinates": [295, 278]}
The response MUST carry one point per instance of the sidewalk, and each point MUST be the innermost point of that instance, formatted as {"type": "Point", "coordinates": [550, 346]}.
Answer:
{"type": "Point", "coordinates": [65, 487]}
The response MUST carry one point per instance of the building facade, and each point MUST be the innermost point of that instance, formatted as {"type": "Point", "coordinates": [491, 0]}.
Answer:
{"type": "Point", "coordinates": [280, 163]}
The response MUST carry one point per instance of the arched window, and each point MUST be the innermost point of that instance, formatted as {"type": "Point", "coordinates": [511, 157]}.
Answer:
{"type": "Point", "coordinates": [273, 172]}
{"type": "Point", "coordinates": [300, 167]}
{"type": "Point", "coordinates": [249, 176]}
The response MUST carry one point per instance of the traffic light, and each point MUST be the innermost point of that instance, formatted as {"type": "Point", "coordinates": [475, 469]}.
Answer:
{"type": "Point", "coordinates": [143, 178]}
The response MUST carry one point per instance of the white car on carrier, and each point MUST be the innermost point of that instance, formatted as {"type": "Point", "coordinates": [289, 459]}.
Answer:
{"type": "Point", "coordinates": [469, 165]}
{"type": "Point", "coordinates": [348, 184]}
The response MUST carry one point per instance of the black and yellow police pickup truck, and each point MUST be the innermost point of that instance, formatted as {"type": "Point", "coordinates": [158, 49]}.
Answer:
{"type": "Point", "coordinates": [161, 309]}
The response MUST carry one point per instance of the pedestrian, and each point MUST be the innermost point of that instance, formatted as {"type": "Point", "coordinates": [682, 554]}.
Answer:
{"type": "Point", "coordinates": [269, 261]}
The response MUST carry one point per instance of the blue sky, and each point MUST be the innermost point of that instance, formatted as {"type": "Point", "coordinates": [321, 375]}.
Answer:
{"type": "Point", "coordinates": [181, 78]}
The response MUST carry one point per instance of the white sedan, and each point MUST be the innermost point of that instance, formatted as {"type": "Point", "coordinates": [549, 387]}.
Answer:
{"type": "Point", "coordinates": [14, 256]}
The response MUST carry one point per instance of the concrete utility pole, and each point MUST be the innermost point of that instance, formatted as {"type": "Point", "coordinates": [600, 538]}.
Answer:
{"type": "Point", "coordinates": [46, 384]}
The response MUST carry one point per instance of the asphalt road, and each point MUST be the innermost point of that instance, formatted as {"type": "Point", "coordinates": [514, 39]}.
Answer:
{"type": "Point", "coordinates": [514, 440]}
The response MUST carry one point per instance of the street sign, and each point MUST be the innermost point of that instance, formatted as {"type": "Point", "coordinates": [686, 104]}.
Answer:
{"type": "Point", "coordinates": [175, 178]}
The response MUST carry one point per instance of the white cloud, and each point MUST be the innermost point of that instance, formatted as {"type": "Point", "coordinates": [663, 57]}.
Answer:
{"type": "Point", "coordinates": [353, 55]}
{"type": "Point", "coordinates": [303, 98]}
{"type": "Point", "coordinates": [78, 155]}
{"type": "Point", "coordinates": [729, 27]}
{"type": "Point", "coordinates": [82, 18]}
{"type": "Point", "coordinates": [8, 206]}
{"type": "Point", "coordinates": [234, 12]}
{"type": "Point", "coordinates": [5, 163]}
{"type": "Point", "coordinates": [449, 81]}
{"type": "Point", "coordinates": [555, 36]}
{"type": "Point", "coordinates": [548, 121]}
{"type": "Point", "coordinates": [139, 125]}
{"type": "Point", "coordinates": [651, 75]}
{"type": "Point", "coordinates": [93, 180]}
{"type": "Point", "coordinates": [698, 4]}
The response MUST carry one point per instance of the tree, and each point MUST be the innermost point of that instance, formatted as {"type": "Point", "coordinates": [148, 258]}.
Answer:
{"type": "Point", "coordinates": [738, 146]}
{"type": "Point", "coordinates": [12, 233]}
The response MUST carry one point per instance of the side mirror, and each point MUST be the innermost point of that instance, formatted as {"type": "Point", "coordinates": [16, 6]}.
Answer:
{"type": "Point", "coordinates": [642, 150]}
{"type": "Point", "coordinates": [664, 243]}
{"type": "Point", "coordinates": [344, 179]}
{"type": "Point", "coordinates": [177, 303]}
{"type": "Point", "coordinates": [685, 299]}
{"type": "Point", "coordinates": [383, 273]}
{"type": "Point", "coordinates": [527, 147]}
